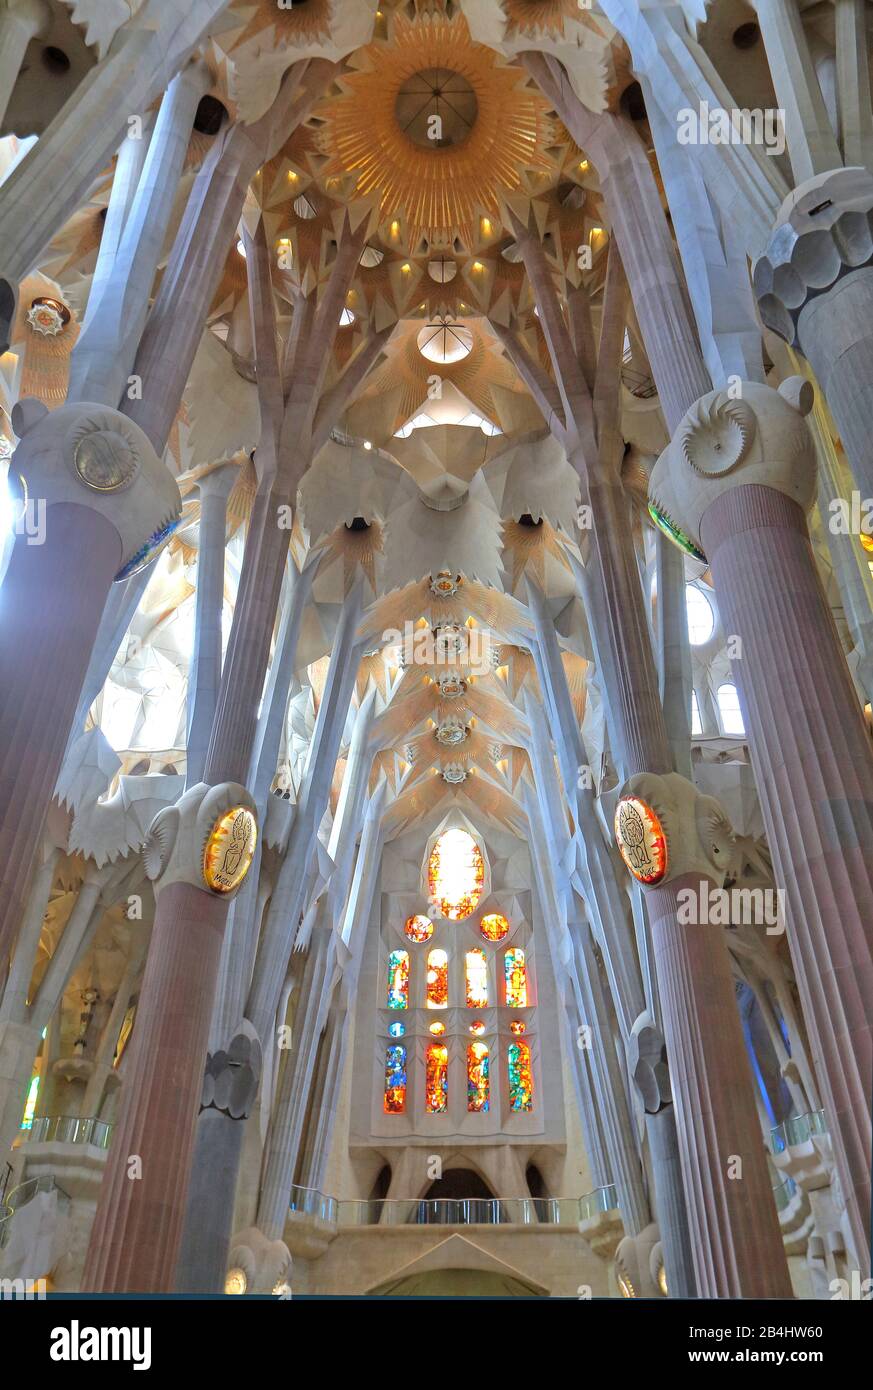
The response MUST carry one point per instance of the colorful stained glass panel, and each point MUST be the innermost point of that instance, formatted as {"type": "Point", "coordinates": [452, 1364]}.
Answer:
{"type": "Point", "coordinates": [520, 1078]}
{"type": "Point", "coordinates": [515, 974]}
{"type": "Point", "coordinates": [476, 977]}
{"type": "Point", "coordinates": [437, 979]}
{"type": "Point", "coordinates": [478, 1081]}
{"type": "Point", "coordinates": [456, 874]}
{"type": "Point", "coordinates": [398, 980]}
{"type": "Point", "coordinates": [437, 1078]}
{"type": "Point", "coordinates": [395, 1080]}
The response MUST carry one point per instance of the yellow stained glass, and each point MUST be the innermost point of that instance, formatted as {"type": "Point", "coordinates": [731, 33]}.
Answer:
{"type": "Point", "coordinates": [456, 874]}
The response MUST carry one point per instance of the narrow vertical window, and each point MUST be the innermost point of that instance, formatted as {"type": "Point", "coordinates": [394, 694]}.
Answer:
{"type": "Point", "coordinates": [478, 1081]}
{"type": "Point", "coordinates": [520, 1079]}
{"type": "Point", "coordinates": [476, 966]}
{"type": "Point", "coordinates": [437, 1078]}
{"type": "Point", "coordinates": [395, 1080]}
{"type": "Point", "coordinates": [437, 994]}
{"type": "Point", "coordinates": [398, 980]}
{"type": "Point", "coordinates": [515, 974]}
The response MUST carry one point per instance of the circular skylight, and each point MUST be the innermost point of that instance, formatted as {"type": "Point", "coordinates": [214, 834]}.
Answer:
{"type": "Point", "coordinates": [445, 342]}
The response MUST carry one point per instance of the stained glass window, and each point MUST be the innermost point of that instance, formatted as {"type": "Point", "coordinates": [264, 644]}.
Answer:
{"type": "Point", "coordinates": [494, 926]}
{"type": "Point", "coordinates": [437, 1078]}
{"type": "Point", "coordinates": [517, 1027]}
{"type": "Point", "coordinates": [398, 980]}
{"type": "Point", "coordinates": [396, 1030]}
{"type": "Point", "coordinates": [478, 1083]}
{"type": "Point", "coordinates": [520, 1079]}
{"type": "Point", "coordinates": [437, 979]}
{"type": "Point", "coordinates": [516, 978]}
{"type": "Point", "coordinates": [437, 1029]}
{"type": "Point", "coordinates": [477, 1027]}
{"type": "Point", "coordinates": [476, 975]}
{"type": "Point", "coordinates": [419, 928]}
{"type": "Point", "coordinates": [456, 874]}
{"type": "Point", "coordinates": [30, 1104]}
{"type": "Point", "coordinates": [395, 1080]}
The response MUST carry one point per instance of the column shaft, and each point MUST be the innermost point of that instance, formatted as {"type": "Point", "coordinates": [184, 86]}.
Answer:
{"type": "Point", "coordinates": [813, 765]}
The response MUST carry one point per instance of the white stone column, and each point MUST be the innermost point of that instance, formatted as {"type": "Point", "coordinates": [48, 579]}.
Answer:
{"type": "Point", "coordinates": [287, 901]}
{"type": "Point", "coordinates": [812, 145]}
{"type": "Point", "coordinates": [104, 355]}
{"type": "Point", "coordinates": [204, 674]}
{"type": "Point", "coordinates": [20, 21]}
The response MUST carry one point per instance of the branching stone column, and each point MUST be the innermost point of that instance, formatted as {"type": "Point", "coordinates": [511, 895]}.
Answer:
{"type": "Point", "coordinates": [54, 177]}
{"type": "Point", "coordinates": [105, 351]}
{"type": "Point", "coordinates": [677, 842]}
{"type": "Point", "coordinates": [198, 852]}
{"type": "Point", "coordinates": [105, 493]}
{"type": "Point", "coordinates": [738, 478]}
{"type": "Point", "coordinates": [814, 285]}
{"type": "Point", "coordinates": [205, 672]}
{"type": "Point", "coordinates": [20, 21]}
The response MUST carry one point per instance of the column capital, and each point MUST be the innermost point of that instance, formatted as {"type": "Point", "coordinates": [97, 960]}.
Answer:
{"type": "Point", "coordinates": [823, 231]}
{"type": "Point", "coordinates": [92, 456]}
{"type": "Point", "coordinates": [747, 435]}
{"type": "Point", "coordinates": [666, 829]}
{"type": "Point", "coordinates": [206, 840]}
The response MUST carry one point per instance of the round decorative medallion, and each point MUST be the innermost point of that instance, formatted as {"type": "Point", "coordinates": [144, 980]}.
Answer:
{"type": "Point", "coordinates": [675, 533]}
{"type": "Point", "coordinates": [105, 461]}
{"type": "Point", "coordinates": [230, 849]}
{"type": "Point", "coordinates": [517, 1027]}
{"type": "Point", "coordinates": [418, 928]}
{"type": "Point", "coordinates": [148, 550]}
{"type": "Point", "coordinates": [438, 1029]}
{"type": "Point", "coordinates": [48, 317]}
{"type": "Point", "coordinates": [451, 687]}
{"type": "Point", "coordinates": [451, 732]}
{"type": "Point", "coordinates": [445, 585]}
{"type": "Point", "coordinates": [454, 773]}
{"type": "Point", "coordinates": [641, 839]}
{"type": "Point", "coordinates": [477, 1028]}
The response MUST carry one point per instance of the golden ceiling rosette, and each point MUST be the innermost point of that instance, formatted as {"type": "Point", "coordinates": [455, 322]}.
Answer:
{"type": "Point", "coordinates": [438, 193]}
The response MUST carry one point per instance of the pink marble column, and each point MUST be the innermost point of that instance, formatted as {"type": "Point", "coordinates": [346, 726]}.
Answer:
{"type": "Point", "coordinates": [731, 1239]}
{"type": "Point", "coordinates": [50, 605]}
{"type": "Point", "coordinates": [136, 1233]}
{"type": "Point", "coordinates": [813, 764]}
{"type": "Point", "coordinates": [717, 1124]}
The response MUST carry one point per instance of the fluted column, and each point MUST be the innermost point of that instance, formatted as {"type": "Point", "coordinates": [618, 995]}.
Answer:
{"type": "Point", "coordinates": [104, 354]}
{"type": "Point", "coordinates": [53, 597]}
{"type": "Point", "coordinates": [14, 997]}
{"type": "Point", "coordinates": [138, 1227]}
{"type": "Point", "coordinates": [813, 763]}
{"type": "Point", "coordinates": [204, 677]}
{"type": "Point", "coordinates": [810, 747]}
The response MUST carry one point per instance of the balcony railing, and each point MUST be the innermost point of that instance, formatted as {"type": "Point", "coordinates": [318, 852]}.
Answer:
{"type": "Point", "coordinates": [68, 1129]}
{"type": "Point", "coordinates": [453, 1211]}
{"type": "Point", "coordinates": [798, 1130]}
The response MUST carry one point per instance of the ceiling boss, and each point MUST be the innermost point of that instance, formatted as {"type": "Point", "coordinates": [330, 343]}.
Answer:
{"type": "Point", "coordinates": [438, 125]}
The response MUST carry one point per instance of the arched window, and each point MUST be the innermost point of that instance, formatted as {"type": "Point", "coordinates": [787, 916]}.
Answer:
{"type": "Point", "coordinates": [456, 874]}
{"type": "Point", "coordinates": [436, 1086]}
{"type": "Point", "coordinates": [729, 710]}
{"type": "Point", "coordinates": [515, 975]}
{"type": "Point", "coordinates": [478, 1081]}
{"type": "Point", "coordinates": [701, 619]}
{"type": "Point", "coordinates": [520, 1078]}
{"type": "Point", "coordinates": [395, 1080]}
{"type": "Point", "coordinates": [437, 996]}
{"type": "Point", "coordinates": [476, 967]}
{"type": "Point", "coordinates": [398, 980]}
